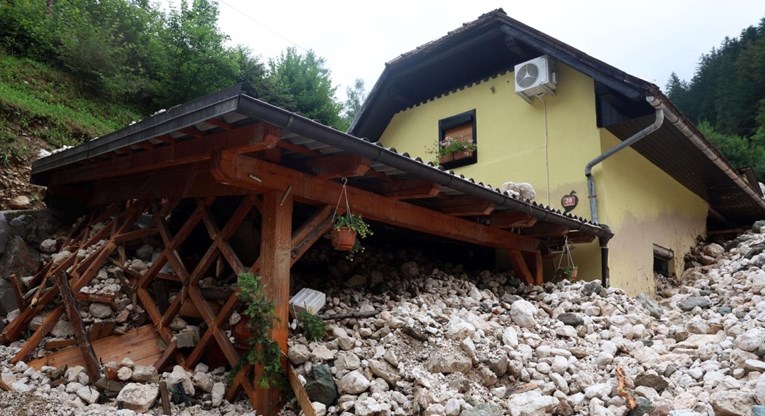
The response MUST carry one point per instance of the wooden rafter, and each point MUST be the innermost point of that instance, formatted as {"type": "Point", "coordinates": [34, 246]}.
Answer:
{"type": "Point", "coordinates": [410, 189]}
{"type": "Point", "coordinates": [511, 220]}
{"type": "Point", "coordinates": [238, 170]}
{"type": "Point", "coordinates": [251, 137]}
{"type": "Point", "coordinates": [466, 207]}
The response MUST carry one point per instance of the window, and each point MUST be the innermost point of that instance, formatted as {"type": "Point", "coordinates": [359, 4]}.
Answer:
{"type": "Point", "coordinates": [663, 260]}
{"type": "Point", "coordinates": [457, 141]}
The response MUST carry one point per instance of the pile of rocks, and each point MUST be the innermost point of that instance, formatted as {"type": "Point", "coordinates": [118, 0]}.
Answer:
{"type": "Point", "coordinates": [126, 390]}
{"type": "Point", "coordinates": [430, 338]}
{"type": "Point", "coordinates": [445, 343]}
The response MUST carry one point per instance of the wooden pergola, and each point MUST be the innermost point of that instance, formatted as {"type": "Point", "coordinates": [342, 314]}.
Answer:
{"type": "Point", "coordinates": [167, 177]}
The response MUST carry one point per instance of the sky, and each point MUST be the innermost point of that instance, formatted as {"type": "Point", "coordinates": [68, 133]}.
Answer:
{"type": "Point", "coordinates": [649, 39]}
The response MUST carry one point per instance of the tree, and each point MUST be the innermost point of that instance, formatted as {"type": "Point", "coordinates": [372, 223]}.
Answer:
{"type": "Point", "coordinates": [197, 60]}
{"type": "Point", "coordinates": [302, 83]}
{"type": "Point", "coordinates": [355, 97]}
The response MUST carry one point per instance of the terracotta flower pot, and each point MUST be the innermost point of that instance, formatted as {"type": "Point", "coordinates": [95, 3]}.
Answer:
{"type": "Point", "coordinates": [446, 158]}
{"type": "Point", "coordinates": [462, 155]}
{"type": "Point", "coordinates": [343, 239]}
{"type": "Point", "coordinates": [241, 332]}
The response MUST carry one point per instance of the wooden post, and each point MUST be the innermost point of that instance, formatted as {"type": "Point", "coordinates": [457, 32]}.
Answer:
{"type": "Point", "coordinates": [275, 257]}
{"type": "Point", "coordinates": [92, 365]}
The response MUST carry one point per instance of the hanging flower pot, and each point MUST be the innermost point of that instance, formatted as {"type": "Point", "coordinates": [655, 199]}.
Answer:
{"type": "Point", "coordinates": [242, 332]}
{"type": "Point", "coordinates": [343, 238]}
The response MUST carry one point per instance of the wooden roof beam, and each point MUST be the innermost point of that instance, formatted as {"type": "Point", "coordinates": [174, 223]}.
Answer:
{"type": "Point", "coordinates": [259, 175]}
{"type": "Point", "coordinates": [546, 230]}
{"type": "Point", "coordinates": [339, 166]}
{"type": "Point", "coordinates": [507, 219]}
{"type": "Point", "coordinates": [465, 207]}
{"type": "Point", "coordinates": [250, 137]}
{"type": "Point", "coordinates": [410, 189]}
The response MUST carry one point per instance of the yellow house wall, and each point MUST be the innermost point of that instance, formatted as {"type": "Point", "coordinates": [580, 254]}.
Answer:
{"type": "Point", "coordinates": [643, 205]}
{"type": "Point", "coordinates": [511, 134]}
{"type": "Point", "coordinates": [550, 142]}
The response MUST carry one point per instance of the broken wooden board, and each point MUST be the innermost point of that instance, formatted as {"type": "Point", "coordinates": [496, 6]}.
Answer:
{"type": "Point", "coordinates": [142, 345]}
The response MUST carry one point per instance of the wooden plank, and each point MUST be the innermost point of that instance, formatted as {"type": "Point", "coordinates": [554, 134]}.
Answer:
{"type": "Point", "coordinates": [546, 230]}
{"type": "Point", "coordinates": [534, 264]}
{"type": "Point", "coordinates": [142, 345]}
{"type": "Point", "coordinates": [236, 170]}
{"type": "Point", "coordinates": [520, 266]}
{"type": "Point", "coordinates": [32, 342]}
{"type": "Point", "coordinates": [310, 232]}
{"type": "Point", "coordinates": [164, 394]}
{"type": "Point", "coordinates": [339, 166]}
{"type": "Point", "coordinates": [96, 297]}
{"type": "Point", "coordinates": [179, 153]}
{"type": "Point", "coordinates": [303, 400]}
{"type": "Point", "coordinates": [410, 189]}
{"type": "Point", "coordinates": [92, 366]}
{"type": "Point", "coordinates": [465, 207]}
{"type": "Point", "coordinates": [134, 235]}
{"type": "Point", "coordinates": [101, 330]}
{"type": "Point", "coordinates": [507, 219]}
{"type": "Point", "coordinates": [57, 344]}
{"type": "Point", "coordinates": [16, 286]}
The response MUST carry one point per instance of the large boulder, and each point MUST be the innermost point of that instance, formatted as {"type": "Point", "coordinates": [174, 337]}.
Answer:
{"type": "Point", "coordinates": [732, 403]}
{"type": "Point", "coordinates": [320, 386]}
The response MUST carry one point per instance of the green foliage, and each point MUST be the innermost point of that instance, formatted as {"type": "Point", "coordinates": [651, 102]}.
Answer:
{"type": "Point", "coordinates": [313, 326]}
{"type": "Point", "coordinates": [302, 83]}
{"type": "Point", "coordinates": [259, 311]}
{"type": "Point", "coordinates": [727, 92]}
{"type": "Point", "coordinates": [355, 223]}
{"type": "Point", "coordinates": [43, 103]}
{"type": "Point", "coordinates": [740, 151]}
{"type": "Point", "coordinates": [11, 150]}
{"type": "Point", "coordinates": [354, 100]}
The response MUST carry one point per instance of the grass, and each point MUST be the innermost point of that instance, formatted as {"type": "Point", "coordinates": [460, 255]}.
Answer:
{"type": "Point", "coordinates": [39, 101]}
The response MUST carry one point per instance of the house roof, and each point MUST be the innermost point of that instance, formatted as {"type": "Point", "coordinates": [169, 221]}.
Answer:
{"type": "Point", "coordinates": [159, 140]}
{"type": "Point", "coordinates": [494, 43]}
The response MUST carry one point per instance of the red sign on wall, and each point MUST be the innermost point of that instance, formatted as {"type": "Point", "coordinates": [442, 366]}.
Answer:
{"type": "Point", "coordinates": [570, 201]}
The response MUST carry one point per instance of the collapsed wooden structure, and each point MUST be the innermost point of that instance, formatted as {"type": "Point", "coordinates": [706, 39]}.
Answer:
{"type": "Point", "coordinates": [198, 175]}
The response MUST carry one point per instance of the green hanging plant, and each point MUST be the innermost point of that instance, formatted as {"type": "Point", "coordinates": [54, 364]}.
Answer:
{"type": "Point", "coordinates": [259, 312]}
{"type": "Point", "coordinates": [356, 224]}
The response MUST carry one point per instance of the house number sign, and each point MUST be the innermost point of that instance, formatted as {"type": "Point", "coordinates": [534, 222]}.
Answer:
{"type": "Point", "coordinates": [569, 201]}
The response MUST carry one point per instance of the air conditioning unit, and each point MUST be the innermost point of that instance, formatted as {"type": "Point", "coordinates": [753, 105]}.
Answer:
{"type": "Point", "coordinates": [535, 77]}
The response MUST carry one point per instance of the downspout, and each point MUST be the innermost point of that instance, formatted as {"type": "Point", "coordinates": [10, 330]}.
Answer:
{"type": "Point", "coordinates": [603, 241]}
{"type": "Point", "coordinates": [610, 152]}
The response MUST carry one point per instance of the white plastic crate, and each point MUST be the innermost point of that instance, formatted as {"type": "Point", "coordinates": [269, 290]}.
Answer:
{"type": "Point", "coordinates": [308, 300]}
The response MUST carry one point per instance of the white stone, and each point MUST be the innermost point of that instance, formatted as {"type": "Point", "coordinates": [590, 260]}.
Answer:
{"type": "Point", "coordinates": [124, 373]}
{"type": "Point", "coordinates": [182, 377]}
{"type": "Point", "coordinates": [522, 313]}
{"type": "Point", "coordinates": [204, 381]}
{"type": "Point", "coordinates": [145, 373]}
{"type": "Point", "coordinates": [510, 337]}
{"type": "Point", "coordinates": [298, 354]}
{"type": "Point", "coordinates": [138, 397]}
{"type": "Point", "coordinates": [531, 403]}
{"type": "Point", "coordinates": [322, 353]}
{"type": "Point", "coordinates": [88, 394]}
{"type": "Point", "coordinates": [218, 392]}
{"type": "Point", "coordinates": [353, 383]}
